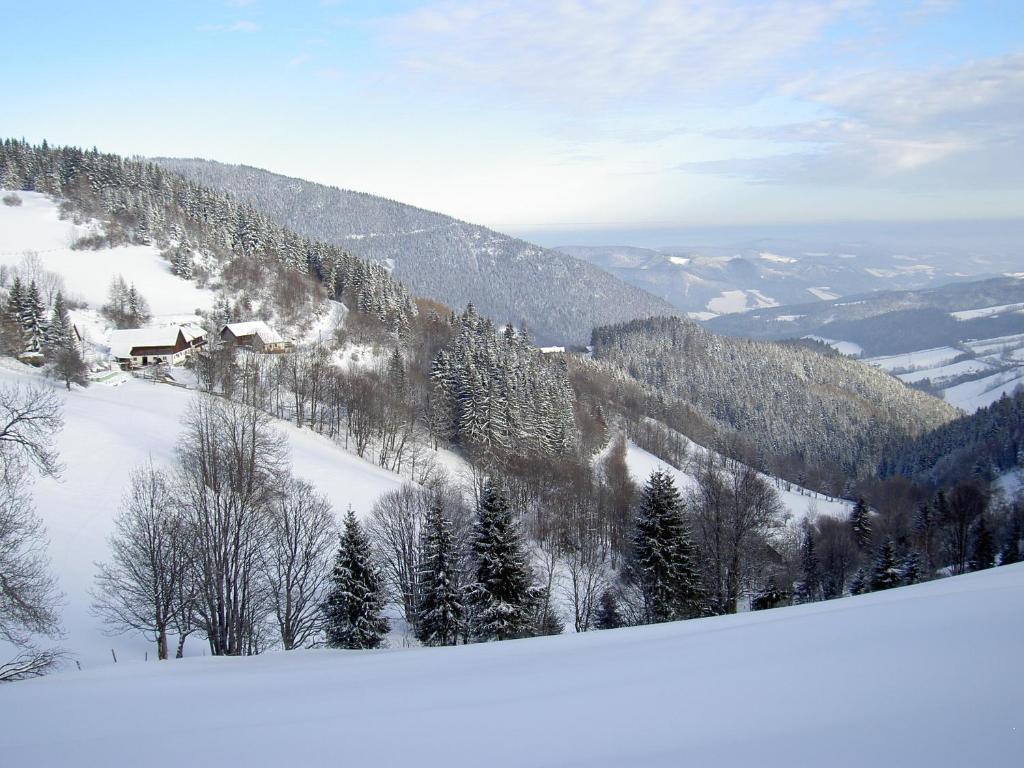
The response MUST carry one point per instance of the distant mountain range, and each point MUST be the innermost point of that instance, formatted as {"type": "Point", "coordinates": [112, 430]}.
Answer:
{"type": "Point", "coordinates": [709, 281]}
{"type": "Point", "coordinates": [560, 298]}
{"type": "Point", "coordinates": [892, 322]}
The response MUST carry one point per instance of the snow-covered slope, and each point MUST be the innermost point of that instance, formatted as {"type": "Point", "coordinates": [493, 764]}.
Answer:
{"type": "Point", "coordinates": [35, 226]}
{"type": "Point", "coordinates": [798, 502]}
{"type": "Point", "coordinates": [927, 675]}
{"type": "Point", "coordinates": [110, 430]}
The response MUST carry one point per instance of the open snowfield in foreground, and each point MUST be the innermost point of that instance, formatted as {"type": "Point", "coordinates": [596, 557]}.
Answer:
{"type": "Point", "coordinates": [929, 675]}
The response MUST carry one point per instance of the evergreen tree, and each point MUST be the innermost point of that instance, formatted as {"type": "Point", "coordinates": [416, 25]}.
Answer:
{"type": "Point", "coordinates": [664, 557]}
{"type": "Point", "coordinates": [885, 573]}
{"type": "Point", "coordinates": [138, 307]}
{"type": "Point", "coordinates": [352, 610]}
{"type": "Point", "coordinates": [860, 584]}
{"type": "Point", "coordinates": [911, 569]}
{"type": "Point", "coordinates": [440, 611]}
{"type": "Point", "coordinates": [548, 622]}
{"type": "Point", "coordinates": [503, 594]}
{"type": "Point", "coordinates": [60, 334]}
{"type": "Point", "coordinates": [808, 589]}
{"type": "Point", "coordinates": [983, 546]}
{"type": "Point", "coordinates": [608, 616]}
{"type": "Point", "coordinates": [860, 525]}
{"type": "Point", "coordinates": [769, 596]}
{"type": "Point", "coordinates": [32, 315]}
{"type": "Point", "coordinates": [182, 263]}
{"type": "Point", "coordinates": [1010, 553]}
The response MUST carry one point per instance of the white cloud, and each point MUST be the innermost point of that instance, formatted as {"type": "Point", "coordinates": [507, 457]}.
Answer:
{"type": "Point", "coordinates": [604, 51]}
{"type": "Point", "coordinates": [961, 127]}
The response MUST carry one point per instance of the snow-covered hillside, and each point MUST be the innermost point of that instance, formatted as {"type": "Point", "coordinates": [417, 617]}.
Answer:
{"type": "Point", "coordinates": [970, 376]}
{"type": "Point", "coordinates": [35, 226]}
{"type": "Point", "coordinates": [926, 675]}
{"type": "Point", "coordinates": [798, 502]}
{"type": "Point", "coordinates": [110, 430]}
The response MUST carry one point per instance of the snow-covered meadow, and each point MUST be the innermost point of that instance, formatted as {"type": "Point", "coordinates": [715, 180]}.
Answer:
{"type": "Point", "coordinates": [927, 675]}
{"type": "Point", "coordinates": [108, 431]}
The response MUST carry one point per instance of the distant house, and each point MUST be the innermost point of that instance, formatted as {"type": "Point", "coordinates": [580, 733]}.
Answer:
{"type": "Point", "coordinates": [171, 344]}
{"type": "Point", "coordinates": [256, 335]}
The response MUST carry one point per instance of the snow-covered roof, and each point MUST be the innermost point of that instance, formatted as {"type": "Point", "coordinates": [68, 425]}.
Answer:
{"type": "Point", "coordinates": [255, 327]}
{"type": "Point", "coordinates": [192, 332]}
{"type": "Point", "coordinates": [123, 341]}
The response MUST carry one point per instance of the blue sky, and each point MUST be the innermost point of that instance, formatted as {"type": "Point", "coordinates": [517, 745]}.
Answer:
{"type": "Point", "coordinates": [533, 115]}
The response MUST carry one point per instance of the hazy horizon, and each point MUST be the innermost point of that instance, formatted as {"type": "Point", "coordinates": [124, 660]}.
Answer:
{"type": "Point", "coordinates": [531, 116]}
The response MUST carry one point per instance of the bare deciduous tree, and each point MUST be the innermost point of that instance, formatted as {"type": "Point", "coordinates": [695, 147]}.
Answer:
{"type": "Point", "coordinates": [394, 530]}
{"type": "Point", "coordinates": [734, 509]}
{"type": "Point", "coordinates": [231, 463]}
{"type": "Point", "coordinates": [140, 588]}
{"type": "Point", "coordinates": [297, 560]}
{"type": "Point", "coordinates": [29, 417]}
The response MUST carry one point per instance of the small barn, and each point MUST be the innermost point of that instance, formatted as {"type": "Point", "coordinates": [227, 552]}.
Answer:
{"type": "Point", "coordinates": [170, 344]}
{"type": "Point", "coordinates": [255, 335]}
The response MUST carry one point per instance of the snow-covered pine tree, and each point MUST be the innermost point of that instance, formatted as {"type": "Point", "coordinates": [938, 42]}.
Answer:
{"type": "Point", "coordinates": [441, 614]}
{"type": "Point", "coordinates": [664, 556]}
{"type": "Point", "coordinates": [608, 616]}
{"type": "Point", "coordinates": [138, 307]}
{"type": "Point", "coordinates": [33, 323]}
{"type": "Point", "coordinates": [860, 524]}
{"type": "Point", "coordinates": [182, 263]}
{"type": "Point", "coordinates": [860, 584]}
{"type": "Point", "coordinates": [983, 546]}
{"type": "Point", "coordinates": [352, 609]}
{"type": "Point", "coordinates": [60, 333]}
{"type": "Point", "coordinates": [886, 571]}
{"type": "Point", "coordinates": [1010, 552]}
{"type": "Point", "coordinates": [808, 589]}
{"type": "Point", "coordinates": [911, 568]}
{"type": "Point", "coordinates": [503, 595]}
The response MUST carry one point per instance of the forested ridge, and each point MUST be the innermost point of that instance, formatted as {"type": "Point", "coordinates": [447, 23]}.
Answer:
{"type": "Point", "coordinates": [141, 203]}
{"type": "Point", "coordinates": [982, 446]}
{"type": "Point", "coordinates": [793, 405]}
{"type": "Point", "coordinates": [559, 298]}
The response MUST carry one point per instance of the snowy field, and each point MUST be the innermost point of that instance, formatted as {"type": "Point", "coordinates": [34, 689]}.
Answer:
{"type": "Point", "coordinates": [946, 372]}
{"type": "Point", "coordinates": [35, 226]}
{"type": "Point", "coordinates": [823, 292]}
{"type": "Point", "coordinates": [928, 675]}
{"type": "Point", "coordinates": [979, 393]}
{"type": "Point", "coordinates": [1001, 309]}
{"type": "Point", "coordinates": [915, 361]}
{"type": "Point", "coordinates": [740, 301]}
{"type": "Point", "coordinates": [108, 431]}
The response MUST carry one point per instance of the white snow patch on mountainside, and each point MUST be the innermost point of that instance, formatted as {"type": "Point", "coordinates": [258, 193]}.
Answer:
{"type": "Point", "coordinates": [776, 258]}
{"type": "Point", "coordinates": [740, 301]}
{"type": "Point", "coordinates": [823, 292]}
{"type": "Point", "coordinates": [913, 361]}
{"type": "Point", "coordinates": [1001, 309]}
{"type": "Point", "coordinates": [848, 348]}
{"type": "Point", "coordinates": [945, 372]}
{"type": "Point", "coordinates": [979, 393]}
{"type": "Point", "coordinates": [878, 679]}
